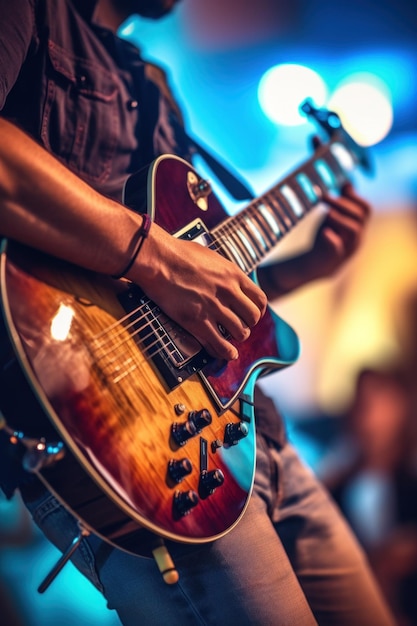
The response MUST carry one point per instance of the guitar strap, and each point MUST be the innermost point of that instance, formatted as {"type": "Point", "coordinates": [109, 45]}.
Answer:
{"type": "Point", "coordinates": [231, 181]}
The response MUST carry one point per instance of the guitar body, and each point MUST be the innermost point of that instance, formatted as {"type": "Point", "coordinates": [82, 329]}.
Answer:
{"type": "Point", "coordinates": [82, 365]}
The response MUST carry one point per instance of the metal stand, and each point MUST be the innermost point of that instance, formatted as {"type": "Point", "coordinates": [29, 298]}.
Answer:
{"type": "Point", "coordinates": [63, 559]}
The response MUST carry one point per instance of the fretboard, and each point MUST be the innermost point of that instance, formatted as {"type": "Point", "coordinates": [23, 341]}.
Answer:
{"type": "Point", "coordinates": [248, 237]}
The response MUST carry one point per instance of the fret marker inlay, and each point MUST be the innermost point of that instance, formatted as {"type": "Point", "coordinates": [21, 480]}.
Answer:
{"type": "Point", "coordinates": [253, 227]}
{"type": "Point", "coordinates": [248, 245]}
{"type": "Point", "coordinates": [307, 187]}
{"type": "Point", "coordinates": [325, 173]}
{"type": "Point", "coordinates": [342, 156]}
{"type": "Point", "coordinates": [293, 200]}
{"type": "Point", "coordinates": [270, 219]}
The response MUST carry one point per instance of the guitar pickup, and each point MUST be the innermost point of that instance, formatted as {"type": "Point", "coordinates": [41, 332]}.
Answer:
{"type": "Point", "coordinates": [176, 354]}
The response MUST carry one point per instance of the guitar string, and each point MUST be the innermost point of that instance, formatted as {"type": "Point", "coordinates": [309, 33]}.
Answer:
{"type": "Point", "coordinates": [226, 232]}
{"type": "Point", "coordinates": [122, 332]}
{"type": "Point", "coordinates": [217, 244]}
{"type": "Point", "coordinates": [146, 309]}
{"type": "Point", "coordinates": [227, 228]}
{"type": "Point", "coordinates": [229, 233]}
{"type": "Point", "coordinates": [286, 218]}
{"type": "Point", "coordinates": [143, 309]}
{"type": "Point", "coordinates": [163, 343]}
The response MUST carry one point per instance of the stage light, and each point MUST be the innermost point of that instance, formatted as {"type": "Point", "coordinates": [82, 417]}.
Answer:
{"type": "Point", "coordinates": [284, 87]}
{"type": "Point", "coordinates": [364, 105]}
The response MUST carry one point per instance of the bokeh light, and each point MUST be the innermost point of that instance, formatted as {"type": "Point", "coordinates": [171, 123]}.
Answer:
{"type": "Point", "coordinates": [364, 105]}
{"type": "Point", "coordinates": [284, 87]}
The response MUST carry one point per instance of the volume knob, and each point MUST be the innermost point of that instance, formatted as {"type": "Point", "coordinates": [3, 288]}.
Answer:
{"type": "Point", "coordinates": [178, 469]}
{"type": "Point", "coordinates": [233, 433]}
{"type": "Point", "coordinates": [209, 481]}
{"type": "Point", "coordinates": [196, 421]}
{"type": "Point", "coordinates": [200, 419]}
{"type": "Point", "coordinates": [184, 502]}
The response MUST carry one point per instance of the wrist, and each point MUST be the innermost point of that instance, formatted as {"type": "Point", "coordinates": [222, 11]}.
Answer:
{"type": "Point", "coordinates": [280, 279]}
{"type": "Point", "coordinates": [135, 245]}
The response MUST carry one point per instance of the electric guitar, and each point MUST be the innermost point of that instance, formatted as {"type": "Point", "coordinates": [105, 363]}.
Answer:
{"type": "Point", "coordinates": [117, 409]}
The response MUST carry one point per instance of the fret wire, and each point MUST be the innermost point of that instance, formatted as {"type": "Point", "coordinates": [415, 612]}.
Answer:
{"type": "Point", "coordinates": [339, 172]}
{"type": "Point", "coordinates": [234, 254]}
{"type": "Point", "coordinates": [287, 209]}
{"type": "Point", "coordinates": [343, 157]}
{"type": "Point", "coordinates": [236, 236]}
{"type": "Point", "coordinates": [270, 237]}
{"type": "Point", "coordinates": [251, 224]}
{"type": "Point", "coordinates": [306, 187]}
{"type": "Point", "coordinates": [326, 174]}
{"type": "Point", "coordinates": [271, 220]}
{"type": "Point", "coordinates": [277, 215]}
{"type": "Point", "coordinates": [249, 233]}
{"type": "Point", "coordinates": [238, 246]}
{"type": "Point", "coordinates": [277, 206]}
{"type": "Point", "coordinates": [246, 239]}
{"type": "Point", "coordinates": [220, 243]}
{"type": "Point", "coordinates": [316, 179]}
{"type": "Point", "coordinates": [309, 172]}
{"type": "Point", "coordinates": [248, 246]}
{"type": "Point", "coordinates": [290, 193]}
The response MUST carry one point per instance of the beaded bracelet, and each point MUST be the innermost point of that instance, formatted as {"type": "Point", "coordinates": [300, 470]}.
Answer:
{"type": "Point", "coordinates": [141, 234]}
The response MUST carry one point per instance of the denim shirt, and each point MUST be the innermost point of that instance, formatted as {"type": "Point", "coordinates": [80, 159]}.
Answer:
{"type": "Point", "coordinates": [83, 93]}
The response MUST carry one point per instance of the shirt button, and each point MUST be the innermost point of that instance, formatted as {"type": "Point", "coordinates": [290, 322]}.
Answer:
{"type": "Point", "coordinates": [132, 105]}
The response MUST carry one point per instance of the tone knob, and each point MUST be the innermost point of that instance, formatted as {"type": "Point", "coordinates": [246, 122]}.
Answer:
{"type": "Point", "coordinates": [196, 421]}
{"type": "Point", "coordinates": [182, 432]}
{"type": "Point", "coordinates": [177, 469]}
{"type": "Point", "coordinates": [184, 502]}
{"type": "Point", "coordinates": [234, 432]}
{"type": "Point", "coordinates": [200, 419]}
{"type": "Point", "coordinates": [209, 481]}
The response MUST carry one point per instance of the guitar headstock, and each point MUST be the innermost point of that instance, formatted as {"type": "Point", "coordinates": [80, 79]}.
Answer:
{"type": "Point", "coordinates": [330, 123]}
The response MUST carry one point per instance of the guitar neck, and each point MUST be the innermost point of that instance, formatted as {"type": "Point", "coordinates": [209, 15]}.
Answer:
{"type": "Point", "coordinates": [248, 237]}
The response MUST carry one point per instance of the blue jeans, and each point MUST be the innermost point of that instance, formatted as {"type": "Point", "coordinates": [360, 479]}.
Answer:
{"type": "Point", "coordinates": [291, 561]}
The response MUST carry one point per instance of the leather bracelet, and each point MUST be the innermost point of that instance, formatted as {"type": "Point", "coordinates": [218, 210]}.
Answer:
{"type": "Point", "coordinates": [141, 234]}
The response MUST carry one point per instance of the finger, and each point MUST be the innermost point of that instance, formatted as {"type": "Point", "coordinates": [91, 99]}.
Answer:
{"type": "Point", "coordinates": [247, 303]}
{"type": "Point", "coordinates": [347, 230]}
{"type": "Point", "coordinates": [334, 242]}
{"type": "Point", "coordinates": [315, 142]}
{"type": "Point", "coordinates": [348, 191]}
{"type": "Point", "coordinates": [352, 206]}
{"type": "Point", "coordinates": [246, 312]}
{"type": "Point", "coordinates": [216, 344]}
{"type": "Point", "coordinates": [257, 301]}
{"type": "Point", "coordinates": [233, 327]}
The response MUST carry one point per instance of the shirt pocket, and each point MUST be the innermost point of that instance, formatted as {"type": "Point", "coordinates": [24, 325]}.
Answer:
{"type": "Point", "coordinates": [80, 120]}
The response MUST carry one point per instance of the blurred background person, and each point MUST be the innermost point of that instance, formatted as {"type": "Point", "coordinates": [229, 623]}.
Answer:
{"type": "Point", "coordinates": [373, 478]}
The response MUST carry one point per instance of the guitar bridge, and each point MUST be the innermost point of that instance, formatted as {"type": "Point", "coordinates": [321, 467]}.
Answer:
{"type": "Point", "coordinates": [175, 354]}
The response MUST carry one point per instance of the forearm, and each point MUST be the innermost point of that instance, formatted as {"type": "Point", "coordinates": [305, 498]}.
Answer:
{"type": "Point", "coordinates": [44, 205]}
